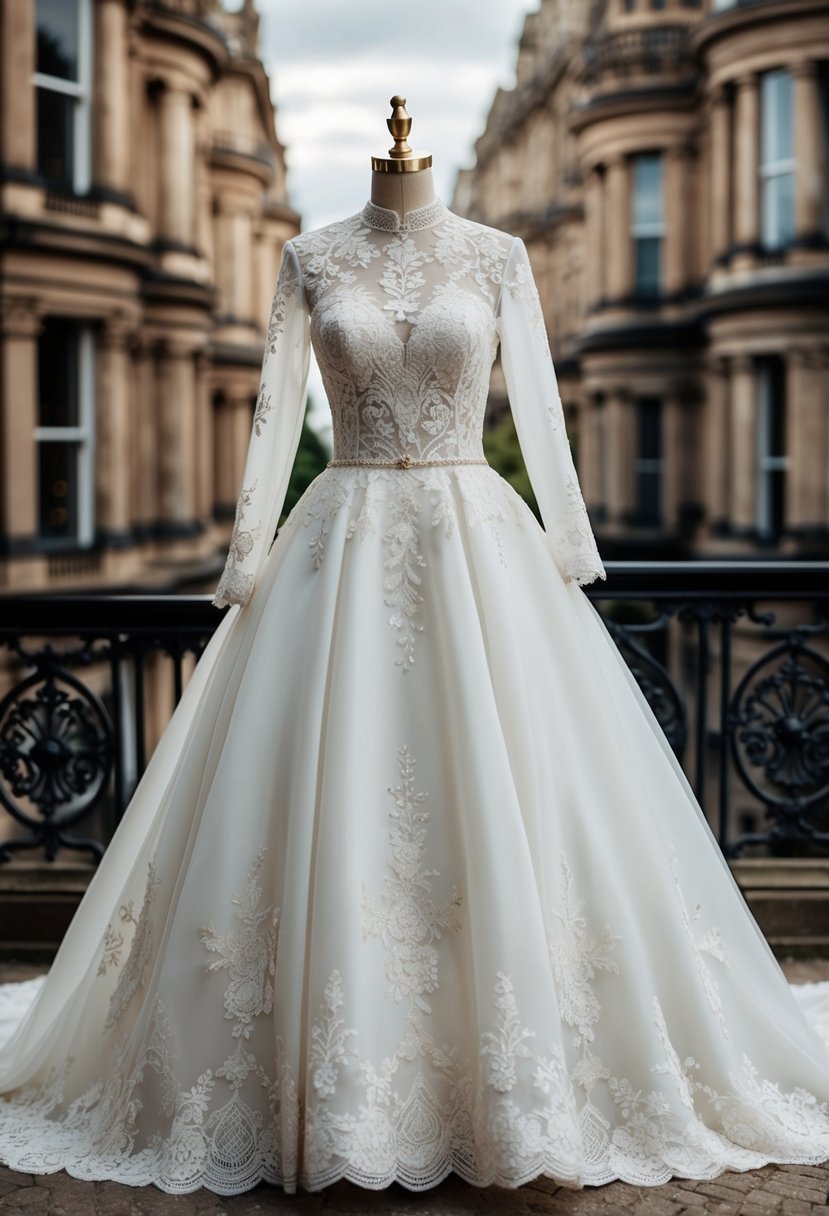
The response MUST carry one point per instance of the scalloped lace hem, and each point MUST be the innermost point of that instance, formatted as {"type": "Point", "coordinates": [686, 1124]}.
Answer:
{"type": "Point", "coordinates": [97, 1171]}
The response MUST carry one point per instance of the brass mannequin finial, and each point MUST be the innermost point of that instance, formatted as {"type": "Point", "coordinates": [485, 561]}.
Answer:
{"type": "Point", "coordinates": [400, 157]}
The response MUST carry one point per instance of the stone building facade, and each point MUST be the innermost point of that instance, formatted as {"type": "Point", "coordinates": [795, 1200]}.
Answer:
{"type": "Point", "coordinates": [666, 163]}
{"type": "Point", "coordinates": [143, 208]}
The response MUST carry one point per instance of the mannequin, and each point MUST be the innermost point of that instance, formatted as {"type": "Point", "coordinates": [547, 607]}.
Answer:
{"type": "Point", "coordinates": [402, 180]}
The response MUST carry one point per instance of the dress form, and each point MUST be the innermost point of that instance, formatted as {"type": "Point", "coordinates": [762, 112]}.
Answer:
{"type": "Point", "coordinates": [402, 180]}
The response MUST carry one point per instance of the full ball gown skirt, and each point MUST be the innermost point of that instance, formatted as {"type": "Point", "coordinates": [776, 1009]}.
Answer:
{"type": "Point", "coordinates": [413, 881]}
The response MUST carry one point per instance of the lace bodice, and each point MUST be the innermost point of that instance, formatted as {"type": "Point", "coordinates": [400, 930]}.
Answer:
{"type": "Point", "coordinates": [405, 319]}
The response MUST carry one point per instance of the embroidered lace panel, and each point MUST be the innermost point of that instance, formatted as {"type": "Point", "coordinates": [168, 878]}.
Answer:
{"type": "Point", "coordinates": [519, 1105]}
{"type": "Point", "coordinates": [396, 506]}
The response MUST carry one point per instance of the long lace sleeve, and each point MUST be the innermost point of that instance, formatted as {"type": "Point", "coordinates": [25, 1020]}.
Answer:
{"type": "Point", "coordinates": [274, 439]}
{"type": "Point", "coordinates": [539, 422]}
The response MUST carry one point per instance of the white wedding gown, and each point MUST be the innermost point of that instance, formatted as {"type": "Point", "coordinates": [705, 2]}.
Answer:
{"type": "Point", "coordinates": [413, 881]}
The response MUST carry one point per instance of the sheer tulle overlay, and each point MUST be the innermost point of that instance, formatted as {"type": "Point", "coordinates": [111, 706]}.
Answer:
{"type": "Point", "coordinates": [413, 882]}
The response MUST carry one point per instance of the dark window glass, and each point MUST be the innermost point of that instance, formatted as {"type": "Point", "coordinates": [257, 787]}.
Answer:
{"type": "Point", "coordinates": [57, 38]}
{"type": "Point", "coordinates": [649, 461]}
{"type": "Point", "coordinates": [55, 136]}
{"type": "Point", "coordinates": [58, 374]}
{"type": "Point", "coordinates": [658, 4]}
{"type": "Point", "coordinates": [58, 490]}
{"type": "Point", "coordinates": [647, 265]}
{"type": "Point", "coordinates": [630, 6]}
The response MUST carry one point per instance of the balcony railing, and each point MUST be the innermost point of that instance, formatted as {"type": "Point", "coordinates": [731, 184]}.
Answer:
{"type": "Point", "coordinates": [651, 49]}
{"type": "Point", "coordinates": [733, 658]}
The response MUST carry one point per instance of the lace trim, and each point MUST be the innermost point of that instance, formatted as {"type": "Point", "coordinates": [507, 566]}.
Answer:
{"type": "Point", "coordinates": [386, 219]}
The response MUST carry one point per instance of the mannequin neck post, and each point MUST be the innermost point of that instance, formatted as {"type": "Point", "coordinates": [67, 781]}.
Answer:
{"type": "Point", "coordinates": [402, 192]}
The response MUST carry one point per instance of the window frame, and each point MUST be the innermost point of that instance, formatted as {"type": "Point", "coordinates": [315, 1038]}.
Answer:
{"type": "Point", "coordinates": [647, 229]}
{"type": "Point", "coordinates": [82, 438]}
{"type": "Point", "coordinates": [770, 171]}
{"type": "Point", "coordinates": [80, 91]}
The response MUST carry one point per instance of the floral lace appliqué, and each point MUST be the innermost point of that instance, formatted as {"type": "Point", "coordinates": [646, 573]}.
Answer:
{"type": "Point", "coordinates": [248, 954]}
{"type": "Point", "coordinates": [708, 944]}
{"type": "Point", "coordinates": [134, 975]}
{"type": "Point", "coordinates": [406, 918]}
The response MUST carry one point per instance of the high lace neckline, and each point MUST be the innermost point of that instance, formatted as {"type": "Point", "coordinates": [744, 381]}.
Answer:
{"type": "Point", "coordinates": [386, 219]}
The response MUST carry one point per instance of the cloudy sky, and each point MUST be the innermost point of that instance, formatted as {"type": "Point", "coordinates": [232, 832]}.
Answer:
{"type": "Point", "coordinates": [334, 64]}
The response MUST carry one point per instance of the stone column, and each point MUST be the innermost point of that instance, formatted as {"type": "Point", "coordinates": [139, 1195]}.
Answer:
{"type": "Point", "coordinates": [113, 432]}
{"type": "Point", "coordinates": [808, 151]}
{"type": "Point", "coordinates": [620, 436]}
{"type": "Point", "coordinates": [203, 187]}
{"type": "Point", "coordinates": [111, 112]}
{"type": "Point", "coordinates": [677, 226]}
{"type": "Point", "coordinates": [242, 265]}
{"type": "Point", "coordinates": [17, 93]}
{"type": "Point", "coordinates": [19, 329]}
{"type": "Point", "coordinates": [807, 440]}
{"type": "Point", "coordinates": [241, 414]}
{"type": "Point", "coordinates": [223, 260]}
{"type": "Point", "coordinates": [600, 250]}
{"type": "Point", "coordinates": [593, 228]}
{"type": "Point", "coordinates": [620, 249]}
{"type": "Point", "coordinates": [176, 166]}
{"type": "Point", "coordinates": [204, 437]}
{"type": "Point", "coordinates": [176, 438]}
{"type": "Point", "coordinates": [743, 447]}
{"type": "Point", "coordinates": [232, 435]}
{"type": "Point", "coordinates": [588, 466]}
{"type": "Point", "coordinates": [715, 441]}
{"type": "Point", "coordinates": [720, 172]}
{"type": "Point", "coordinates": [144, 470]}
{"type": "Point", "coordinates": [746, 149]}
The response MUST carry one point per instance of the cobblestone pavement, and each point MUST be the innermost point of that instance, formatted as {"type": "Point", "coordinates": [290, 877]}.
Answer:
{"type": "Point", "coordinates": [788, 1190]}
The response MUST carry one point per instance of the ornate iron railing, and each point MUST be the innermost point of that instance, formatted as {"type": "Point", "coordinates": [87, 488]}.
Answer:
{"type": "Point", "coordinates": [733, 657]}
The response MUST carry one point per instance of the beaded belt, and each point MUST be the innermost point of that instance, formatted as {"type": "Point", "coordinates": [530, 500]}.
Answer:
{"type": "Point", "coordinates": [406, 462]}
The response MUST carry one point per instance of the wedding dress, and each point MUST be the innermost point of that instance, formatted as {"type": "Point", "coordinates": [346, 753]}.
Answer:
{"type": "Point", "coordinates": [413, 881]}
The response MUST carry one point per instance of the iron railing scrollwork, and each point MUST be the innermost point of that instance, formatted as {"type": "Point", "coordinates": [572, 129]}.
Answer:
{"type": "Point", "coordinates": [70, 755]}
{"type": "Point", "coordinates": [731, 678]}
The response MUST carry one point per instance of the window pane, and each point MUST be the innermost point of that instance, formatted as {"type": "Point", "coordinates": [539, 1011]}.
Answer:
{"type": "Point", "coordinates": [58, 374]}
{"type": "Point", "coordinates": [649, 461]}
{"type": "Point", "coordinates": [650, 439]}
{"type": "Point", "coordinates": [55, 136]}
{"type": "Point", "coordinates": [648, 249]}
{"type": "Point", "coordinates": [778, 210]}
{"type": "Point", "coordinates": [647, 189]}
{"type": "Point", "coordinates": [777, 134]}
{"type": "Point", "coordinates": [58, 491]}
{"type": "Point", "coordinates": [57, 38]}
